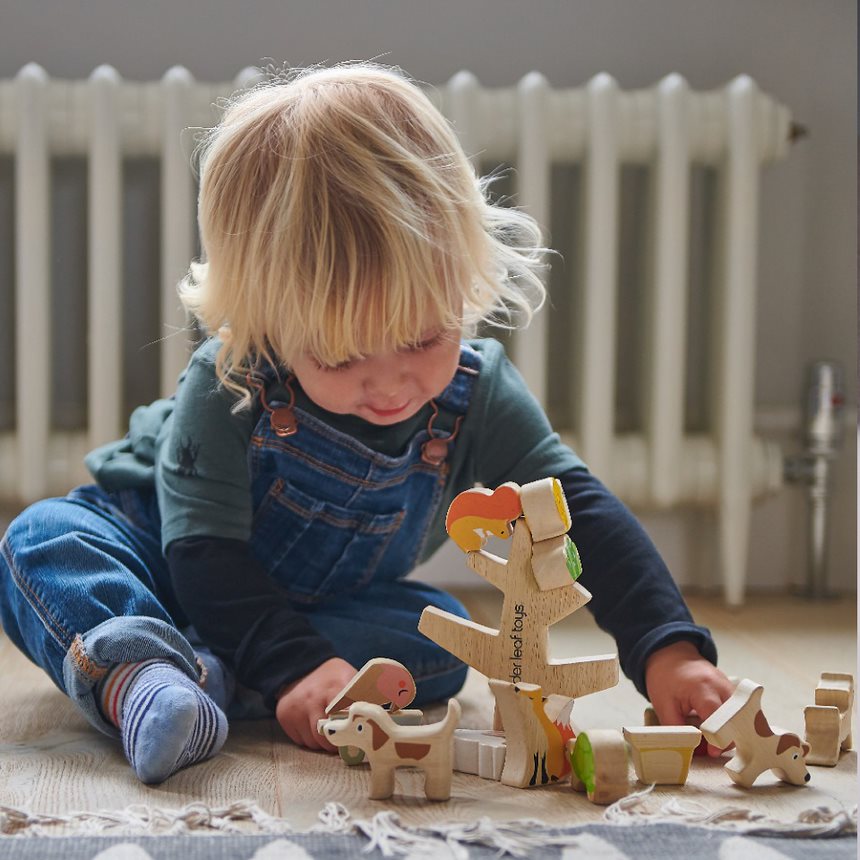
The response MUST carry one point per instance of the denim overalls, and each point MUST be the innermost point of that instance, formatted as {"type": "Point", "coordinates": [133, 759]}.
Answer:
{"type": "Point", "coordinates": [84, 584]}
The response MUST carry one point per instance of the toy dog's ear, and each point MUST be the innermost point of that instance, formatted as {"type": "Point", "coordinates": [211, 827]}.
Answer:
{"type": "Point", "coordinates": [379, 734]}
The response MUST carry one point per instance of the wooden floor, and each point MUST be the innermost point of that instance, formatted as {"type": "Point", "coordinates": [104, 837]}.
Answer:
{"type": "Point", "coordinates": [52, 762]}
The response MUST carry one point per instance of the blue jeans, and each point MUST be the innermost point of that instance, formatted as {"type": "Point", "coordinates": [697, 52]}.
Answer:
{"type": "Point", "coordinates": [84, 585]}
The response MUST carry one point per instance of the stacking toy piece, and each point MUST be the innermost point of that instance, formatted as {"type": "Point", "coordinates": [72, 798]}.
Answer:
{"type": "Point", "coordinates": [741, 721]}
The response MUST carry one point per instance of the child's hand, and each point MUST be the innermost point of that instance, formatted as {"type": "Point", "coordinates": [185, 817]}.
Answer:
{"type": "Point", "coordinates": [680, 681]}
{"type": "Point", "coordinates": [303, 702]}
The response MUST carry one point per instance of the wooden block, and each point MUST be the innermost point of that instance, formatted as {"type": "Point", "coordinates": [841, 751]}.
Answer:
{"type": "Point", "coordinates": [662, 754]}
{"type": "Point", "coordinates": [388, 746]}
{"type": "Point", "coordinates": [380, 681]}
{"type": "Point", "coordinates": [478, 513]}
{"type": "Point", "coordinates": [599, 765]}
{"type": "Point", "coordinates": [828, 721]}
{"type": "Point", "coordinates": [741, 721]}
{"type": "Point", "coordinates": [650, 718]}
{"type": "Point", "coordinates": [555, 562]}
{"type": "Point", "coordinates": [535, 745]}
{"type": "Point", "coordinates": [479, 752]}
{"type": "Point", "coordinates": [545, 508]}
{"type": "Point", "coordinates": [519, 650]}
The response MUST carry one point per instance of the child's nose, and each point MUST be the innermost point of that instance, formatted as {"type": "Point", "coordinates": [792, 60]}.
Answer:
{"type": "Point", "coordinates": [386, 378]}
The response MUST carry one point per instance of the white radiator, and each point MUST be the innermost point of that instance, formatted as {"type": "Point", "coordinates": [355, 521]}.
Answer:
{"type": "Point", "coordinates": [600, 129]}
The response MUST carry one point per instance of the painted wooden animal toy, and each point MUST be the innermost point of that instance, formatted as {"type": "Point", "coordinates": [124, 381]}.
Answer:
{"type": "Point", "coordinates": [741, 721]}
{"type": "Point", "coordinates": [388, 746]}
{"type": "Point", "coordinates": [478, 513]}
{"type": "Point", "coordinates": [535, 742]}
{"type": "Point", "coordinates": [382, 681]}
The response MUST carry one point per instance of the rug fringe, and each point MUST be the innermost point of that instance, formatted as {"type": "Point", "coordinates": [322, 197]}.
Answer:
{"type": "Point", "coordinates": [819, 821]}
{"type": "Point", "coordinates": [391, 837]}
{"type": "Point", "coordinates": [140, 819]}
{"type": "Point", "coordinates": [385, 831]}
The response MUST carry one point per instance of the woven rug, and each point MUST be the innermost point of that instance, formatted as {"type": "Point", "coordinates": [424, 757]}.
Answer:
{"type": "Point", "coordinates": [245, 832]}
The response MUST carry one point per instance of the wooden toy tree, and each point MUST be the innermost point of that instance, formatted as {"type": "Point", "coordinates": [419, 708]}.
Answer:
{"type": "Point", "coordinates": [519, 649]}
{"type": "Point", "coordinates": [539, 584]}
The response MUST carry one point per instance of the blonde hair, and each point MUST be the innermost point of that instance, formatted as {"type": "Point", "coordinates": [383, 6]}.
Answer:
{"type": "Point", "coordinates": [339, 216]}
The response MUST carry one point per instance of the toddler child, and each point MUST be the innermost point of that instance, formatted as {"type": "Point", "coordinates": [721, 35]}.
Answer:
{"type": "Point", "coordinates": [253, 532]}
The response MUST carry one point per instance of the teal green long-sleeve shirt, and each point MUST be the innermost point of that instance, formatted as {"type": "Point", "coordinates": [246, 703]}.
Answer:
{"type": "Point", "coordinates": [193, 448]}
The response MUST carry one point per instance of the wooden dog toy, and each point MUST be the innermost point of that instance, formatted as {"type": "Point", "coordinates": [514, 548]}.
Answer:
{"type": "Point", "coordinates": [534, 743]}
{"type": "Point", "coordinates": [477, 513]}
{"type": "Point", "coordinates": [741, 721]}
{"type": "Point", "coordinates": [388, 746]}
{"type": "Point", "coordinates": [828, 721]}
{"type": "Point", "coordinates": [599, 767]}
{"type": "Point", "coordinates": [353, 755]}
{"type": "Point", "coordinates": [519, 650]}
{"type": "Point", "coordinates": [662, 754]}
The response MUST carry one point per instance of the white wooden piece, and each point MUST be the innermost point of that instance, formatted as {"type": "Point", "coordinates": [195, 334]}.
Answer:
{"type": "Point", "coordinates": [479, 752]}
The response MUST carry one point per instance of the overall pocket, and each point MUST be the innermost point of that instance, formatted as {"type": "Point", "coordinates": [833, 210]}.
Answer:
{"type": "Point", "coordinates": [315, 549]}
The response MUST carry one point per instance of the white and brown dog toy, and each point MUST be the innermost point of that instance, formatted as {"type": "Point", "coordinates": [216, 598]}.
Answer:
{"type": "Point", "coordinates": [758, 747]}
{"type": "Point", "coordinates": [388, 745]}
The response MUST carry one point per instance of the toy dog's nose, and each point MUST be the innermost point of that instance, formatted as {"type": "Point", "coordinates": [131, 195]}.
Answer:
{"type": "Point", "coordinates": [331, 732]}
{"type": "Point", "coordinates": [806, 778]}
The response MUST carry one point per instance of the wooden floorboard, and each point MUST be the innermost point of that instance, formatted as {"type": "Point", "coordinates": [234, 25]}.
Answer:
{"type": "Point", "coordinates": [51, 761]}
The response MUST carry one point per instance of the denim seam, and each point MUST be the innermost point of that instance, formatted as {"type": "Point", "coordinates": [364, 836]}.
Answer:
{"type": "Point", "coordinates": [263, 444]}
{"type": "Point", "coordinates": [432, 506]}
{"type": "Point", "coordinates": [83, 663]}
{"type": "Point", "coordinates": [57, 630]}
{"type": "Point", "coordinates": [340, 522]}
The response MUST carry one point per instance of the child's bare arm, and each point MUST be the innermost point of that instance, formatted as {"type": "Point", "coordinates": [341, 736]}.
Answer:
{"type": "Point", "coordinates": [303, 702]}
{"type": "Point", "coordinates": [680, 681]}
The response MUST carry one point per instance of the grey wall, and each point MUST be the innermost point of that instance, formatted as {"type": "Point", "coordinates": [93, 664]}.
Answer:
{"type": "Point", "coordinates": [803, 52]}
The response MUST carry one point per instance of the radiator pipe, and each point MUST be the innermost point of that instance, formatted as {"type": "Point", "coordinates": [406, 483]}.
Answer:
{"type": "Point", "coordinates": [824, 405]}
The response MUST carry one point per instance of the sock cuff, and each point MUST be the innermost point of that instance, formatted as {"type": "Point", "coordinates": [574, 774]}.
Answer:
{"type": "Point", "coordinates": [113, 688]}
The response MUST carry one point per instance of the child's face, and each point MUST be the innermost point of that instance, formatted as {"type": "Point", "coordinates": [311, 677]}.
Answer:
{"type": "Point", "coordinates": [386, 387]}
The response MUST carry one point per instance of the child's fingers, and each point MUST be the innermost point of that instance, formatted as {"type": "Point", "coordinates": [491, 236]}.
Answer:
{"type": "Point", "coordinates": [669, 711]}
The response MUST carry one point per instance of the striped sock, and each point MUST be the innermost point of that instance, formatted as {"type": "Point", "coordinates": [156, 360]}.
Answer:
{"type": "Point", "coordinates": [167, 722]}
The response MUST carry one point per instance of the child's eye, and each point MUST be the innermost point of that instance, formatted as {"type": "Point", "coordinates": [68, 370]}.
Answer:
{"type": "Point", "coordinates": [427, 344]}
{"type": "Point", "coordinates": [344, 365]}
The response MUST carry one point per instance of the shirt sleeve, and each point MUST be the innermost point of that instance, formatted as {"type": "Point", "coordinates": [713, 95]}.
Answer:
{"type": "Point", "coordinates": [202, 465]}
{"type": "Point", "coordinates": [634, 597]}
{"type": "Point", "coordinates": [243, 615]}
{"type": "Point", "coordinates": [517, 442]}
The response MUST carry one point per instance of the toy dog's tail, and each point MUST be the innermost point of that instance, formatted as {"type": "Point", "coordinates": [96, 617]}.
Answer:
{"type": "Point", "coordinates": [452, 718]}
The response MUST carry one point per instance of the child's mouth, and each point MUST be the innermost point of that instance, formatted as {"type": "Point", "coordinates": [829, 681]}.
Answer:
{"type": "Point", "coordinates": [388, 413]}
